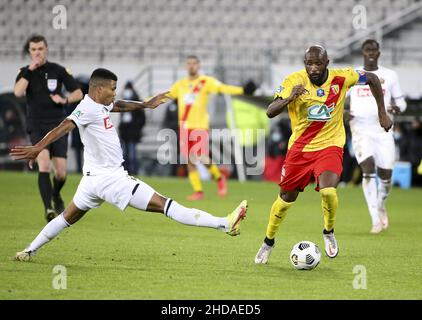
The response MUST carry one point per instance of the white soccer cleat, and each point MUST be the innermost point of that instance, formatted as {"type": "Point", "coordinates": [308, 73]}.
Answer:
{"type": "Point", "coordinates": [263, 254]}
{"type": "Point", "coordinates": [382, 212]}
{"type": "Point", "coordinates": [377, 228]}
{"type": "Point", "coordinates": [235, 218]}
{"type": "Point", "coordinates": [24, 255]}
{"type": "Point", "coordinates": [330, 242]}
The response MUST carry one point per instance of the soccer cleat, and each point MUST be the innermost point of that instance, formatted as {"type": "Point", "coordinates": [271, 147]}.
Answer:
{"type": "Point", "coordinates": [222, 186]}
{"type": "Point", "coordinates": [330, 242]}
{"type": "Point", "coordinates": [24, 255]}
{"type": "Point", "coordinates": [196, 196]}
{"type": "Point", "coordinates": [58, 203]}
{"type": "Point", "coordinates": [382, 212]}
{"type": "Point", "coordinates": [50, 214]}
{"type": "Point", "coordinates": [377, 228]}
{"type": "Point", "coordinates": [263, 254]}
{"type": "Point", "coordinates": [235, 218]}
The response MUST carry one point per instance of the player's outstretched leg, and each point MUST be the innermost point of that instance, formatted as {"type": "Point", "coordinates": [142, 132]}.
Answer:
{"type": "Point", "coordinates": [277, 214]}
{"type": "Point", "coordinates": [145, 198]}
{"type": "Point", "coordinates": [50, 231]}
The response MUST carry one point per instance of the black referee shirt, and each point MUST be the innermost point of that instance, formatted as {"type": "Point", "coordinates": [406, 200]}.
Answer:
{"type": "Point", "coordinates": [43, 81]}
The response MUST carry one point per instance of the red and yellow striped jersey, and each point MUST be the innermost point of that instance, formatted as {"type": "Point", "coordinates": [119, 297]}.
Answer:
{"type": "Point", "coordinates": [317, 116]}
{"type": "Point", "coordinates": [192, 99]}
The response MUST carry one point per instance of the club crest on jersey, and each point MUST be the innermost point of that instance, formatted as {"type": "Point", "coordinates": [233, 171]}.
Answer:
{"type": "Point", "coordinates": [320, 112]}
{"type": "Point", "coordinates": [320, 92]}
{"type": "Point", "coordinates": [52, 84]}
{"type": "Point", "coordinates": [335, 88]}
{"type": "Point", "coordinates": [107, 123]}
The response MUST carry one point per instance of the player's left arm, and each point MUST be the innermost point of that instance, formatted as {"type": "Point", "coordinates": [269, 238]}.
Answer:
{"type": "Point", "coordinates": [398, 103]}
{"type": "Point", "coordinates": [376, 89]}
{"type": "Point", "coordinates": [128, 105]}
{"type": "Point", "coordinates": [31, 152]}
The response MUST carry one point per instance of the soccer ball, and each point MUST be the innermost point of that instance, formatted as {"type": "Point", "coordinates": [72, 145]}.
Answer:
{"type": "Point", "coordinates": [305, 255]}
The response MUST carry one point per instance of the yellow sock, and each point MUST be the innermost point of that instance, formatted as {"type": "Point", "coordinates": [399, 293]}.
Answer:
{"type": "Point", "coordinates": [195, 181]}
{"type": "Point", "coordinates": [215, 172]}
{"type": "Point", "coordinates": [277, 215]}
{"type": "Point", "coordinates": [329, 205]}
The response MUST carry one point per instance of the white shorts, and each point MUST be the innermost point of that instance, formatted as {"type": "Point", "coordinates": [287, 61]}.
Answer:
{"type": "Point", "coordinates": [373, 141]}
{"type": "Point", "coordinates": [115, 188]}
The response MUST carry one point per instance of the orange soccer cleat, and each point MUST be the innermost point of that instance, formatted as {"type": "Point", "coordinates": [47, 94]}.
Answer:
{"type": "Point", "coordinates": [196, 196]}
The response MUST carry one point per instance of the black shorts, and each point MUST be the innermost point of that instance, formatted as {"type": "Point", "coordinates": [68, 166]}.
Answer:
{"type": "Point", "coordinates": [57, 149]}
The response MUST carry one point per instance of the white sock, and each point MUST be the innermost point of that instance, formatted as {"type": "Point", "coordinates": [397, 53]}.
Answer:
{"type": "Point", "coordinates": [369, 185]}
{"type": "Point", "coordinates": [52, 229]}
{"type": "Point", "coordinates": [194, 217]}
{"type": "Point", "coordinates": [384, 188]}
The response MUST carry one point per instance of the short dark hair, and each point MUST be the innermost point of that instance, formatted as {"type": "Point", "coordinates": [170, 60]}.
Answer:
{"type": "Point", "coordinates": [34, 38]}
{"type": "Point", "coordinates": [100, 75]}
{"type": "Point", "coordinates": [370, 41]}
{"type": "Point", "coordinates": [192, 56]}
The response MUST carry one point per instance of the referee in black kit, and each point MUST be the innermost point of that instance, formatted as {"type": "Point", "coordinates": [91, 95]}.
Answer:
{"type": "Point", "coordinates": [42, 83]}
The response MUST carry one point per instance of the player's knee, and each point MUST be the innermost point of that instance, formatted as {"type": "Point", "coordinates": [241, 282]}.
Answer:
{"type": "Point", "coordinates": [60, 175]}
{"type": "Point", "coordinates": [328, 193]}
{"type": "Point", "coordinates": [157, 203]}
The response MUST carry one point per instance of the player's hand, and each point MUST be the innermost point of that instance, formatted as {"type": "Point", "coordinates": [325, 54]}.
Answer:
{"type": "Point", "coordinates": [154, 102]}
{"type": "Point", "coordinates": [35, 63]}
{"type": "Point", "coordinates": [25, 153]}
{"type": "Point", "coordinates": [297, 91]}
{"type": "Point", "coordinates": [394, 110]}
{"type": "Point", "coordinates": [58, 99]}
{"type": "Point", "coordinates": [386, 122]}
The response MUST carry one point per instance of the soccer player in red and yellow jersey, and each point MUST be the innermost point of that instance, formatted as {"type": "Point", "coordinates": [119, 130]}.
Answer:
{"type": "Point", "coordinates": [315, 99]}
{"type": "Point", "coordinates": [192, 95]}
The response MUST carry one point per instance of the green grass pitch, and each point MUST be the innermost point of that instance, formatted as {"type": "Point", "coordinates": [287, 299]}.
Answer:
{"type": "Point", "coordinates": [137, 255]}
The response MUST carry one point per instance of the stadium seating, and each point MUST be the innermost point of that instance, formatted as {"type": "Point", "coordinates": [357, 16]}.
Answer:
{"type": "Point", "coordinates": [130, 28]}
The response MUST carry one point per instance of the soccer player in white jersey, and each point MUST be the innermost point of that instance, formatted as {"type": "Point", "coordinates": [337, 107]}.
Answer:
{"type": "Point", "coordinates": [373, 146]}
{"type": "Point", "coordinates": [104, 178]}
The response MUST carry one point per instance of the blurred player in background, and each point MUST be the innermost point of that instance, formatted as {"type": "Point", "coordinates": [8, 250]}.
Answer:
{"type": "Point", "coordinates": [374, 147]}
{"type": "Point", "coordinates": [315, 99]}
{"type": "Point", "coordinates": [192, 95]}
{"type": "Point", "coordinates": [42, 83]}
{"type": "Point", "coordinates": [104, 176]}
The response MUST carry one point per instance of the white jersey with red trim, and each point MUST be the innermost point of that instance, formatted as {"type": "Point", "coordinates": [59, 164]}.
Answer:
{"type": "Point", "coordinates": [363, 106]}
{"type": "Point", "coordinates": [102, 150]}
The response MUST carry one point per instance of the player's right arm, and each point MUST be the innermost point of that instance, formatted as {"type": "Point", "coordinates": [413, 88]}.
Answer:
{"type": "Point", "coordinates": [22, 80]}
{"type": "Point", "coordinates": [31, 152]}
{"type": "Point", "coordinates": [277, 106]}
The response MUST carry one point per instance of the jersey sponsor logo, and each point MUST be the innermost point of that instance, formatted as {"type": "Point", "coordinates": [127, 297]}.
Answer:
{"type": "Point", "coordinates": [320, 92]}
{"type": "Point", "coordinates": [107, 123]}
{"type": "Point", "coordinates": [320, 112]}
{"type": "Point", "coordinates": [52, 84]}
{"type": "Point", "coordinates": [366, 92]}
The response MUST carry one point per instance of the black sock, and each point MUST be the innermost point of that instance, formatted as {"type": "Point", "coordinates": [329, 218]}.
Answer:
{"type": "Point", "coordinates": [269, 242]}
{"type": "Point", "coordinates": [57, 186]}
{"type": "Point", "coordinates": [44, 184]}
